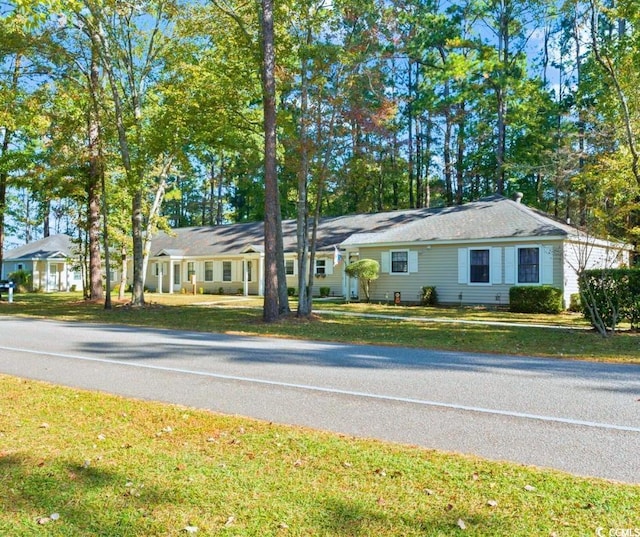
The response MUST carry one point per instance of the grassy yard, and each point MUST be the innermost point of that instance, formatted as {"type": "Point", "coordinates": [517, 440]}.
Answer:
{"type": "Point", "coordinates": [574, 340]}
{"type": "Point", "coordinates": [75, 463]}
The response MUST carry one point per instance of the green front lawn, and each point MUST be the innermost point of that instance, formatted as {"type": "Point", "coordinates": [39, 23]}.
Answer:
{"type": "Point", "coordinates": [75, 463]}
{"type": "Point", "coordinates": [219, 313]}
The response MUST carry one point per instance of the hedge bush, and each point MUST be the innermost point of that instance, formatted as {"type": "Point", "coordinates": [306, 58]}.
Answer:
{"type": "Point", "coordinates": [614, 294]}
{"type": "Point", "coordinates": [535, 299]}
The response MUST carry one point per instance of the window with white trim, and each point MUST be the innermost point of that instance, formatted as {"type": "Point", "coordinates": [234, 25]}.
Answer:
{"type": "Point", "coordinates": [479, 263]}
{"type": "Point", "coordinates": [191, 269]}
{"type": "Point", "coordinates": [208, 271]}
{"type": "Point", "coordinates": [249, 267]}
{"type": "Point", "coordinates": [321, 266]}
{"type": "Point", "coordinates": [226, 271]}
{"type": "Point", "coordinates": [289, 267]}
{"type": "Point", "coordinates": [159, 268]}
{"type": "Point", "coordinates": [529, 265]}
{"type": "Point", "coordinates": [399, 262]}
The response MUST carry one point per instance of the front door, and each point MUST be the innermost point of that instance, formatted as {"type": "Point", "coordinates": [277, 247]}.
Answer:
{"type": "Point", "coordinates": [176, 277]}
{"type": "Point", "coordinates": [54, 279]}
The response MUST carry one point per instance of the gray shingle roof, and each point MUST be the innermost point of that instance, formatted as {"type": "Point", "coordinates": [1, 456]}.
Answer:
{"type": "Point", "coordinates": [235, 238]}
{"type": "Point", "coordinates": [488, 218]}
{"type": "Point", "coordinates": [491, 217]}
{"type": "Point", "coordinates": [52, 246]}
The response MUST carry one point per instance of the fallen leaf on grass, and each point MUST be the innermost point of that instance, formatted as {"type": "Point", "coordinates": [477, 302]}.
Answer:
{"type": "Point", "coordinates": [461, 524]}
{"type": "Point", "coordinates": [229, 521]}
{"type": "Point", "coordinates": [529, 488]}
{"type": "Point", "coordinates": [492, 503]}
{"type": "Point", "coordinates": [190, 529]}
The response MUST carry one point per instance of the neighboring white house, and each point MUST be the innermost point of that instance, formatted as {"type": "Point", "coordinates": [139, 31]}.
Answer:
{"type": "Point", "coordinates": [471, 254]}
{"type": "Point", "coordinates": [51, 261]}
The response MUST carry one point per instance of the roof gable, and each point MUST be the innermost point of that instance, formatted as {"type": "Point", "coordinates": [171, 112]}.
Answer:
{"type": "Point", "coordinates": [55, 246]}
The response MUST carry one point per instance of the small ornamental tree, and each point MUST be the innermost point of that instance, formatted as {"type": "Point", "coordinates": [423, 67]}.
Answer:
{"type": "Point", "coordinates": [366, 270]}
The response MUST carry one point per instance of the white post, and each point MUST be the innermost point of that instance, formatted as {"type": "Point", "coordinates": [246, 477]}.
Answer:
{"type": "Point", "coordinates": [245, 277]}
{"type": "Point", "coordinates": [159, 278]}
{"type": "Point", "coordinates": [261, 276]}
{"type": "Point", "coordinates": [10, 292]}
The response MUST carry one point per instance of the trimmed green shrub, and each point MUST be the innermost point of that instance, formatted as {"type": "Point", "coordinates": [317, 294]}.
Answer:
{"type": "Point", "coordinates": [575, 303]}
{"type": "Point", "coordinates": [366, 270]}
{"type": "Point", "coordinates": [429, 296]}
{"type": "Point", "coordinates": [535, 299]}
{"type": "Point", "coordinates": [291, 291]}
{"type": "Point", "coordinates": [325, 291]}
{"type": "Point", "coordinates": [610, 296]}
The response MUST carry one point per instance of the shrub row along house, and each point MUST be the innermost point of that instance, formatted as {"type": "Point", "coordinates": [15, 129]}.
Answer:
{"type": "Point", "coordinates": [472, 254]}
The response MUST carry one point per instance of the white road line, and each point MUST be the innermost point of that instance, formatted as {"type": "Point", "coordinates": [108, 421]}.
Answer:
{"type": "Point", "coordinates": [335, 391]}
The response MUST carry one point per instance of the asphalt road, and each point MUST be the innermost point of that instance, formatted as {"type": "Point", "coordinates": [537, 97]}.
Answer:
{"type": "Point", "coordinates": [580, 417]}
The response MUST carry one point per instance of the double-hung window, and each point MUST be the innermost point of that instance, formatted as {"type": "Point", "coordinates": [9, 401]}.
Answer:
{"type": "Point", "coordinates": [208, 271]}
{"type": "Point", "coordinates": [226, 271]}
{"type": "Point", "coordinates": [479, 266]}
{"type": "Point", "coordinates": [288, 267]}
{"type": "Point", "coordinates": [399, 262]}
{"type": "Point", "coordinates": [529, 265]}
{"type": "Point", "coordinates": [321, 266]}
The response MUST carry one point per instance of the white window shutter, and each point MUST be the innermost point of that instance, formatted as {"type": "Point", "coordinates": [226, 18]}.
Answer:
{"type": "Point", "coordinates": [463, 265]}
{"type": "Point", "coordinates": [496, 265]}
{"type": "Point", "coordinates": [413, 261]}
{"type": "Point", "coordinates": [328, 266]}
{"type": "Point", "coordinates": [546, 265]}
{"type": "Point", "coordinates": [510, 265]}
{"type": "Point", "coordinates": [385, 262]}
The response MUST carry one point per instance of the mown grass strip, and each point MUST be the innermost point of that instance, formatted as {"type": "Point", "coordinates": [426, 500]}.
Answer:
{"type": "Point", "coordinates": [225, 314]}
{"type": "Point", "coordinates": [111, 466]}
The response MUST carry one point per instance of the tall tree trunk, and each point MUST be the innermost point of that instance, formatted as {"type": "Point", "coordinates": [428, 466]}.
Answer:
{"type": "Point", "coordinates": [96, 291]}
{"type": "Point", "coordinates": [448, 183]}
{"type": "Point", "coordinates": [123, 273]}
{"type": "Point", "coordinates": [302, 249]}
{"type": "Point", "coordinates": [504, 42]}
{"type": "Point", "coordinates": [410, 147]}
{"type": "Point", "coordinates": [271, 198]}
{"type": "Point", "coordinates": [461, 149]}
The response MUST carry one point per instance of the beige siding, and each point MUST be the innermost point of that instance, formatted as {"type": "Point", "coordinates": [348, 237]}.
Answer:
{"type": "Point", "coordinates": [438, 267]}
{"type": "Point", "coordinates": [332, 279]}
